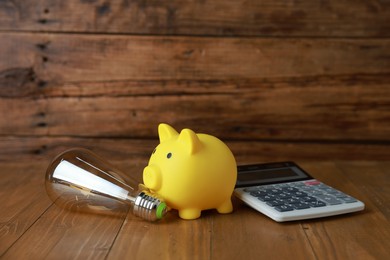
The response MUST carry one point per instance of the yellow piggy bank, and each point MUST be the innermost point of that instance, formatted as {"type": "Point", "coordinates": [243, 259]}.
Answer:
{"type": "Point", "coordinates": [191, 172]}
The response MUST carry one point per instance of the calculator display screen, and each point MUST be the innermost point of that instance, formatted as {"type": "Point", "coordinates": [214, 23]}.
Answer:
{"type": "Point", "coordinates": [267, 174]}
{"type": "Point", "coordinates": [259, 175]}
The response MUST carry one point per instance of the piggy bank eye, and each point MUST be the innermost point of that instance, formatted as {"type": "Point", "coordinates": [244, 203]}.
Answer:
{"type": "Point", "coordinates": [169, 155]}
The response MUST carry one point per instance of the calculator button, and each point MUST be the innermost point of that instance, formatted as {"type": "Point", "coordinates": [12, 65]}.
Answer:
{"type": "Point", "coordinates": [306, 188]}
{"type": "Point", "coordinates": [329, 190]}
{"type": "Point", "coordinates": [312, 183]}
{"type": "Point", "coordinates": [284, 208]}
{"type": "Point", "coordinates": [317, 204]}
{"type": "Point", "coordinates": [267, 197]}
{"type": "Point", "coordinates": [340, 195]}
{"type": "Point", "coordinates": [290, 189]}
{"type": "Point", "coordinates": [297, 184]}
{"type": "Point", "coordinates": [274, 203]}
{"type": "Point", "coordinates": [315, 192]}
{"type": "Point", "coordinates": [329, 199]}
{"type": "Point", "coordinates": [288, 194]}
{"type": "Point", "coordinates": [291, 201]}
{"type": "Point", "coordinates": [284, 195]}
{"type": "Point", "coordinates": [299, 194]}
{"type": "Point", "coordinates": [323, 186]}
{"type": "Point", "coordinates": [274, 191]}
{"type": "Point", "coordinates": [258, 193]}
{"type": "Point", "coordinates": [303, 205]}
{"type": "Point", "coordinates": [308, 199]}
{"type": "Point", "coordinates": [348, 199]}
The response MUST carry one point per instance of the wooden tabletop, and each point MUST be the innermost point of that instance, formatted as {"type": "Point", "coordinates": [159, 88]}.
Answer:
{"type": "Point", "coordinates": [32, 227]}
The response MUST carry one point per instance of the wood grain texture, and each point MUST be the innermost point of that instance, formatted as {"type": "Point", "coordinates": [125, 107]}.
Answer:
{"type": "Point", "coordinates": [378, 189]}
{"type": "Point", "coordinates": [85, 58]}
{"type": "Point", "coordinates": [275, 80]}
{"type": "Point", "coordinates": [50, 232]}
{"type": "Point", "coordinates": [171, 240]}
{"type": "Point", "coordinates": [123, 86]}
{"type": "Point", "coordinates": [138, 151]}
{"type": "Point", "coordinates": [345, 18]}
{"type": "Point", "coordinates": [243, 234]}
{"type": "Point", "coordinates": [69, 235]}
{"type": "Point", "coordinates": [369, 183]}
{"type": "Point", "coordinates": [279, 74]}
{"type": "Point", "coordinates": [22, 200]}
{"type": "Point", "coordinates": [339, 118]}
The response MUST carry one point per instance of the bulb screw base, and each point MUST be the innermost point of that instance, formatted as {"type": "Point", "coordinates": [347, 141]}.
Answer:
{"type": "Point", "coordinates": [149, 206]}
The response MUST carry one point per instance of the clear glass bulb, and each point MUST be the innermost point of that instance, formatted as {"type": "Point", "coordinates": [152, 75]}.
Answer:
{"type": "Point", "coordinates": [80, 180]}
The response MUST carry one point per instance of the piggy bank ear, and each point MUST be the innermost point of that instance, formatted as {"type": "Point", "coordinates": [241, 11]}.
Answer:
{"type": "Point", "coordinates": [166, 132]}
{"type": "Point", "coordinates": [190, 141]}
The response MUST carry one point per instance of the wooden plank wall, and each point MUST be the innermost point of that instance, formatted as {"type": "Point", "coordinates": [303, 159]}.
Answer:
{"type": "Point", "coordinates": [297, 80]}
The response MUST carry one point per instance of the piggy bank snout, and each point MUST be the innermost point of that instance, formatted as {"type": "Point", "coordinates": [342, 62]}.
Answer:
{"type": "Point", "coordinates": [152, 177]}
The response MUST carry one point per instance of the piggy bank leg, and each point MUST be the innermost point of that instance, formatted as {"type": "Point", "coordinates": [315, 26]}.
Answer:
{"type": "Point", "coordinates": [189, 213]}
{"type": "Point", "coordinates": [225, 207]}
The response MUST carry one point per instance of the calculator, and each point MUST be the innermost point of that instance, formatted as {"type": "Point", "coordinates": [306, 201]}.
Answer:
{"type": "Point", "coordinates": [283, 191]}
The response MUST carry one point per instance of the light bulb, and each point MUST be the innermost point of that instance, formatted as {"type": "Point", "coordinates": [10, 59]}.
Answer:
{"type": "Point", "coordinates": [80, 180]}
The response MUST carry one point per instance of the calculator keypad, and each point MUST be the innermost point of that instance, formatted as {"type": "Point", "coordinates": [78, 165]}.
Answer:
{"type": "Point", "coordinates": [299, 195]}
